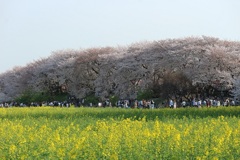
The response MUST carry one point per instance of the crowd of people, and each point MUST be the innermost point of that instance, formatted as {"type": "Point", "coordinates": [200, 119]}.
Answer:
{"type": "Point", "coordinates": [129, 103]}
{"type": "Point", "coordinates": [36, 104]}
{"type": "Point", "coordinates": [208, 102]}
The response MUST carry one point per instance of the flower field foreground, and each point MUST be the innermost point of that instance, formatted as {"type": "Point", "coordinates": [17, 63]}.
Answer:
{"type": "Point", "coordinates": [111, 133]}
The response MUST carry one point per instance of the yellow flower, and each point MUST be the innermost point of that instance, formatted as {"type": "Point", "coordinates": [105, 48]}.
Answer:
{"type": "Point", "coordinates": [12, 149]}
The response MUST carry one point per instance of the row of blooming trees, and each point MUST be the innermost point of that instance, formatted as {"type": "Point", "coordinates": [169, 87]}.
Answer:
{"type": "Point", "coordinates": [169, 68]}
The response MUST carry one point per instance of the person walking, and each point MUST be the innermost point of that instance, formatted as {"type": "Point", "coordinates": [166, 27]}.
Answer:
{"type": "Point", "coordinates": [171, 103]}
{"type": "Point", "coordinates": [175, 104]}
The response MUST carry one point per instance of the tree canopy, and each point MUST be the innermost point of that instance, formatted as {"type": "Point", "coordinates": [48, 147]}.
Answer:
{"type": "Point", "coordinates": [171, 67]}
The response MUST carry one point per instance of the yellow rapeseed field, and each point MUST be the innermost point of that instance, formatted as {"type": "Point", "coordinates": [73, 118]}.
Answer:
{"type": "Point", "coordinates": [108, 133]}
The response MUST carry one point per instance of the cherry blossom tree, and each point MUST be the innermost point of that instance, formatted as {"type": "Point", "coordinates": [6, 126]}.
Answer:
{"type": "Point", "coordinates": [208, 65]}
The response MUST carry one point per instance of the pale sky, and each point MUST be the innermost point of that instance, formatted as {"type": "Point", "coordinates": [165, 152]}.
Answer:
{"type": "Point", "coordinates": [32, 29]}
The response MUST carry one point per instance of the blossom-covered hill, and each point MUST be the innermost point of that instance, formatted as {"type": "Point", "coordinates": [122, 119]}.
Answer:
{"type": "Point", "coordinates": [171, 67]}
